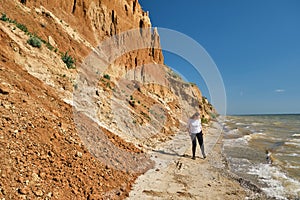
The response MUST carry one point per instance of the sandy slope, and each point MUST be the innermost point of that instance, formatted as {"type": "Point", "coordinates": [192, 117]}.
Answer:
{"type": "Point", "coordinates": [177, 176]}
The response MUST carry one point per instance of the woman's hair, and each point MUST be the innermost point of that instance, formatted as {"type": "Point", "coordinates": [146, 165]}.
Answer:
{"type": "Point", "coordinates": [196, 114]}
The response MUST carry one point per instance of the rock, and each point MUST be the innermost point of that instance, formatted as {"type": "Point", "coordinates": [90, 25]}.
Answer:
{"type": "Point", "coordinates": [43, 175]}
{"type": "Point", "coordinates": [38, 193]}
{"type": "Point", "coordinates": [21, 179]}
{"type": "Point", "coordinates": [94, 196]}
{"type": "Point", "coordinates": [49, 195]}
{"type": "Point", "coordinates": [4, 88]}
{"type": "Point", "coordinates": [3, 191]}
{"type": "Point", "coordinates": [24, 190]}
{"type": "Point", "coordinates": [6, 106]}
{"type": "Point", "coordinates": [79, 154]}
{"type": "Point", "coordinates": [51, 41]}
{"type": "Point", "coordinates": [35, 177]}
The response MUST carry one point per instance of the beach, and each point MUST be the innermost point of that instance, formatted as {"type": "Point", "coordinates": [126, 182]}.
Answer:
{"type": "Point", "coordinates": [177, 176]}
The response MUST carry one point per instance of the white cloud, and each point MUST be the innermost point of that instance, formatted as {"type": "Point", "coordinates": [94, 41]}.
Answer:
{"type": "Point", "coordinates": [279, 90]}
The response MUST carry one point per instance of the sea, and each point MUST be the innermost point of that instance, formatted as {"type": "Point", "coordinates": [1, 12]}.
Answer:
{"type": "Point", "coordinates": [246, 139]}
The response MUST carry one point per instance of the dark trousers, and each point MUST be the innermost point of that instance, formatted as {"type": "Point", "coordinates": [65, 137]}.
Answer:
{"type": "Point", "coordinates": [199, 137]}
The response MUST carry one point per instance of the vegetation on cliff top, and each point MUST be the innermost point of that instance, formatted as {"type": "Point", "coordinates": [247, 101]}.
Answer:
{"type": "Point", "coordinates": [36, 41]}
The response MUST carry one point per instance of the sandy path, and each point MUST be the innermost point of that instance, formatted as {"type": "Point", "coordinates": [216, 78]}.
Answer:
{"type": "Point", "coordinates": [177, 176]}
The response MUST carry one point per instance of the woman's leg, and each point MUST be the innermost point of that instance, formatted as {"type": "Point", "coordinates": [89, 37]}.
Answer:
{"type": "Point", "coordinates": [194, 144]}
{"type": "Point", "coordinates": [201, 143]}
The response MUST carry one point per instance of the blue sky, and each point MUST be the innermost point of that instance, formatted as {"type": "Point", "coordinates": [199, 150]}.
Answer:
{"type": "Point", "coordinates": [254, 43]}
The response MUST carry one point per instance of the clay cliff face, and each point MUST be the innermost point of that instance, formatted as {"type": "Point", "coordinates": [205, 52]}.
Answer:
{"type": "Point", "coordinates": [80, 131]}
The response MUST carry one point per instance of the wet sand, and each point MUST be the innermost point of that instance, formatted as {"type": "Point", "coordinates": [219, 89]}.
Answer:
{"type": "Point", "coordinates": [177, 176]}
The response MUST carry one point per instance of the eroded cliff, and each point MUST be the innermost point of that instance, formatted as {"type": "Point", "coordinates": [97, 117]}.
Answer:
{"type": "Point", "coordinates": [67, 130]}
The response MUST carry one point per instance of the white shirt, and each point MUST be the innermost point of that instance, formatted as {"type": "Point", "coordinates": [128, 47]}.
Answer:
{"type": "Point", "coordinates": [194, 126]}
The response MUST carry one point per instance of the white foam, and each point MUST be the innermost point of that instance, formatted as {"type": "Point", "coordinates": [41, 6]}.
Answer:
{"type": "Point", "coordinates": [233, 131]}
{"type": "Point", "coordinates": [242, 141]}
{"type": "Point", "coordinates": [246, 138]}
{"type": "Point", "coordinates": [226, 127]}
{"type": "Point", "coordinates": [295, 140]}
{"type": "Point", "coordinates": [293, 143]}
{"type": "Point", "coordinates": [296, 135]}
{"type": "Point", "coordinates": [292, 166]}
{"type": "Point", "coordinates": [256, 124]}
{"type": "Point", "coordinates": [288, 154]}
{"type": "Point", "coordinates": [279, 184]}
{"type": "Point", "coordinates": [259, 133]}
{"type": "Point", "coordinates": [239, 164]}
{"type": "Point", "coordinates": [228, 120]}
{"type": "Point", "coordinates": [293, 155]}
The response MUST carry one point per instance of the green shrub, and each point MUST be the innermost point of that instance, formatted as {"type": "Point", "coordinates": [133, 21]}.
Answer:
{"type": "Point", "coordinates": [68, 60]}
{"type": "Point", "coordinates": [204, 120]}
{"type": "Point", "coordinates": [204, 99]}
{"type": "Point", "coordinates": [106, 76]}
{"type": "Point", "coordinates": [34, 41]}
{"type": "Point", "coordinates": [12, 21]}
{"type": "Point", "coordinates": [132, 103]}
{"type": "Point", "coordinates": [22, 27]}
{"type": "Point", "coordinates": [49, 46]}
{"type": "Point", "coordinates": [213, 115]}
{"type": "Point", "coordinates": [75, 86]}
{"type": "Point", "coordinates": [4, 18]}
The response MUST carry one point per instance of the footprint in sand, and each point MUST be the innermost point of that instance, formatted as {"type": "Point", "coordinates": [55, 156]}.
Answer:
{"type": "Point", "coordinates": [178, 165]}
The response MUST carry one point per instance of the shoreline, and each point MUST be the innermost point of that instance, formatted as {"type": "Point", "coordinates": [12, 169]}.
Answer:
{"type": "Point", "coordinates": [177, 176]}
{"type": "Point", "coordinates": [251, 188]}
{"type": "Point", "coordinates": [246, 139]}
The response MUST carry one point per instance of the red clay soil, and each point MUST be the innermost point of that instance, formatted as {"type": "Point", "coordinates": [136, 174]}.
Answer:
{"type": "Point", "coordinates": [42, 156]}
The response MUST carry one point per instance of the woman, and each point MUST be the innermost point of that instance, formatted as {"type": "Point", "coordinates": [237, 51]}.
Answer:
{"type": "Point", "coordinates": [195, 131]}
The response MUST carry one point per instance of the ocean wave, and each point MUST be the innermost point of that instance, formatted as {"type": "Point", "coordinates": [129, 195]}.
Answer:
{"type": "Point", "coordinates": [288, 154]}
{"type": "Point", "coordinates": [226, 127]}
{"type": "Point", "coordinates": [258, 133]}
{"type": "Point", "coordinates": [293, 155]}
{"type": "Point", "coordinates": [265, 136]}
{"type": "Point", "coordinates": [295, 140]}
{"type": "Point", "coordinates": [228, 120]}
{"type": "Point", "coordinates": [239, 164]}
{"type": "Point", "coordinates": [237, 141]}
{"type": "Point", "coordinates": [279, 184]}
{"type": "Point", "coordinates": [296, 135]}
{"type": "Point", "coordinates": [256, 124]}
{"type": "Point", "coordinates": [293, 144]}
{"type": "Point", "coordinates": [292, 166]}
{"type": "Point", "coordinates": [233, 131]}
